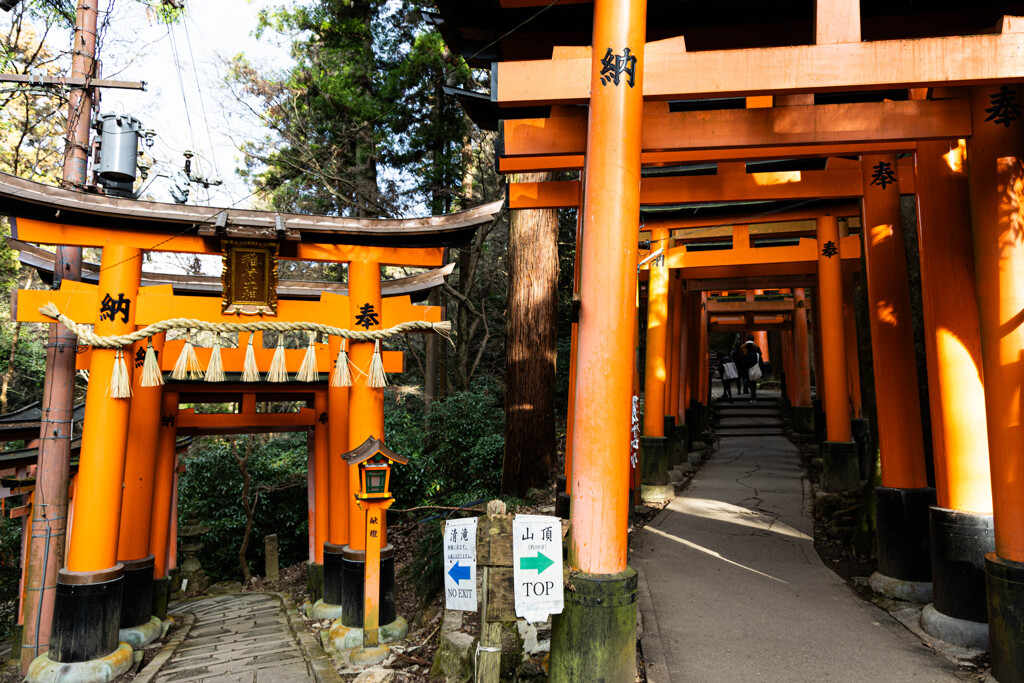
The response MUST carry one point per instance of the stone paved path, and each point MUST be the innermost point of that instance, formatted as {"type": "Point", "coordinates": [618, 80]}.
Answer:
{"type": "Point", "coordinates": [243, 638]}
{"type": "Point", "coordinates": [733, 590]}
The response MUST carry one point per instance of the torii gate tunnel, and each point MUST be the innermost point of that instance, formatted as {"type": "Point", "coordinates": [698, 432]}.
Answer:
{"type": "Point", "coordinates": [683, 119]}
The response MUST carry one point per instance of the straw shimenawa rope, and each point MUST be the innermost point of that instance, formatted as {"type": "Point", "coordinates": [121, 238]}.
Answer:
{"type": "Point", "coordinates": [188, 367]}
{"type": "Point", "coordinates": [89, 338]}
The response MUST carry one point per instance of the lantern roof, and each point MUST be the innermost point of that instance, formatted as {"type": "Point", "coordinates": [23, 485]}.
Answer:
{"type": "Point", "coordinates": [370, 448]}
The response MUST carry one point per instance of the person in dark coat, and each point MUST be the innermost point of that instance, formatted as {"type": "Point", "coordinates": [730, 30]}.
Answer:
{"type": "Point", "coordinates": [741, 381]}
{"type": "Point", "coordinates": [751, 357]}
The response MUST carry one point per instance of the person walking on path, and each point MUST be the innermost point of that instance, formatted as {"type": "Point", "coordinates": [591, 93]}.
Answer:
{"type": "Point", "coordinates": [737, 358]}
{"type": "Point", "coordinates": [728, 372]}
{"type": "Point", "coordinates": [751, 358]}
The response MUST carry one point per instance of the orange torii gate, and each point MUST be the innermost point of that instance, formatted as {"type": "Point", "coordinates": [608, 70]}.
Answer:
{"type": "Point", "coordinates": [355, 408]}
{"type": "Point", "coordinates": [622, 77]}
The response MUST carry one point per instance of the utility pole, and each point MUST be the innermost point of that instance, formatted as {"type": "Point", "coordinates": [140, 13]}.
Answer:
{"type": "Point", "coordinates": [50, 500]}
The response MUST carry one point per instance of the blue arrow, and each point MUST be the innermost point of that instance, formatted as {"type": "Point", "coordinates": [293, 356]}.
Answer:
{"type": "Point", "coordinates": [459, 572]}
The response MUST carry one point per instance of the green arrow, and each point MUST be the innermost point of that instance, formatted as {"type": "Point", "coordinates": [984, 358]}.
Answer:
{"type": "Point", "coordinates": [540, 562]}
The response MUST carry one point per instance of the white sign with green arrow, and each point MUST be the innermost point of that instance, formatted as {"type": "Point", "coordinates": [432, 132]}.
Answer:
{"type": "Point", "coordinates": [537, 566]}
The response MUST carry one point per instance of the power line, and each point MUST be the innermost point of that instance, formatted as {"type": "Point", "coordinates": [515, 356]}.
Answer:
{"type": "Point", "coordinates": [202, 101]}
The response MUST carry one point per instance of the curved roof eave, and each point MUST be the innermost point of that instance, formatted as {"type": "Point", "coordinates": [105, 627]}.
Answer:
{"type": "Point", "coordinates": [29, 199]}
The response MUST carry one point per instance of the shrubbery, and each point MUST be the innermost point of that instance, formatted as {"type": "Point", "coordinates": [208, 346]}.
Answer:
{"type": "Point", "coordinates": [454, 457]}
{"type": "Point", "coordinates": [457, 456]}
{"type": "Point", "coordinates": [212, 485]}
{"type": "Point", "coordinates": [10, 572]}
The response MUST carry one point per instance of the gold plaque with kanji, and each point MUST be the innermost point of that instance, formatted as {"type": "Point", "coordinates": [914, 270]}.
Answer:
{"type": "Point", "coordinates": [249, 277]}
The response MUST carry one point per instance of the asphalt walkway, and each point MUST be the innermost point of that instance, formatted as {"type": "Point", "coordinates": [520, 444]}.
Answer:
{"type": "Point", "coordinates": [731, 588]}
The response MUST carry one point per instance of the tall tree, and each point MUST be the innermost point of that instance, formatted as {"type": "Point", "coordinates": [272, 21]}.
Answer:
{"type": "Point", "coordinates": [323, 114]}
{"type": "Point", "coordinates": [531, 346]}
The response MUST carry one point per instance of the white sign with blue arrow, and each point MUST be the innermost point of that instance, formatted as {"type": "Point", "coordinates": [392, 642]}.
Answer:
{"type": "Point", "coordinates": [460, 564]}
{"type": "Point", "coordinates": [537, 566]}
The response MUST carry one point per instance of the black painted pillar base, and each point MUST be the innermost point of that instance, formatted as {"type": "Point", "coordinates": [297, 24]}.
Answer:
{"type": "Point", "coordinates": [860, 429]}
{"type": "Point", "coordinates": [594, 638]}
{"type": "Point", "coordinates": [137, 592]}
{"type": "Point", "coordinates": [353, 566]}
{"type": "Point", "coordinates": [681, 447]}
{"type": "Point", "coordinates": [903, 527]}
{"type": "Point", "coordinates": [17, 638]}
{"type": "Point", "coordinates": [700, 413]}
{"type": "Point", "coordinates": [314, 581]}
{"type": "Point", "coordinates": [655, 486]}
{"type": "Point", "coordinates": [653, 460]}
{"type": "Point", "coordinates": [672, 438]}
{"type": "Point", "coordinates": [803, 419]}
{"type": "Point", "coordinates": [840, 471]}
{"type": "Point", "coordinates": [960, 540]}
{"type": "Point", "coordinates": [86, 614]}
{"type": "Point", "coordinates": [161, 596]}
{"type": "Point", "coordinates": [820, 426]}
{"type": "Point", "coordinates": [1005, 579]}
{"type": "Point", "coordinates": [333, 573]}
{"type": "Point", "coordinates": [562, 499]}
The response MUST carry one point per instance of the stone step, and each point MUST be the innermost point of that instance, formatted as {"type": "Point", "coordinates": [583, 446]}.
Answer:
{"type": "Point", "coordinates": [748, 415]}
{"type": "Point", "coordinates": [749, 431]}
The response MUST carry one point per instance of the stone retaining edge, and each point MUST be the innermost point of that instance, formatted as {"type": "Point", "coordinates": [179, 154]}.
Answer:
{"type": "Point", "coordinates": [651, 645]}
{"type": "Point", "coordinates": [167, 651]}
{"type": "Point", "coordinates": [320, 664]}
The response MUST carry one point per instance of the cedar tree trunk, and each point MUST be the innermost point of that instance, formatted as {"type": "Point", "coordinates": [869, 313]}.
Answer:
{"type": "Point", "coordinates": [530, 346]}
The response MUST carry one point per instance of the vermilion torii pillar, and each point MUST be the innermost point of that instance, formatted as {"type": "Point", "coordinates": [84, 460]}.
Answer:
{"type": "Point", "coordinates": [995, 158]}
{"type": "Point", "coordinates": [590, 639]}
{"type": "Point", "coordinates": [137, 503]}
{"type": "Point", "coordinates": [904, 567]}
{"type": "Point", "coordinates": [852, 358]}
{"type": "Point", "coordinates": [365, 419]}
{"type": "Point", "coordinates": [678, 444]}
{"type": "Point", "coordinates": [92, 581]}
{"type": "Point", "coordinates": [321, 511]}
{"type": "Point", "coordinates": [164, 492]}
{"type": "Point", "coordinates": [838, 452]}
{"type": "Point", "coordinates": [803, 411]}
{"type": "Point", "coordinates": [654, 456]}
{"type": "Point", "coordinates": [961, 521]}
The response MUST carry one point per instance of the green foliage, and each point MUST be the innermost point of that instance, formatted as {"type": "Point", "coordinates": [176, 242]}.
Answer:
{"type": "Point", "coordinates": [429, 128]}
{"type": "Point", "coordinates": [361, 116]}
{"type": "Point", "coordinates": [10, 572]}
{"type": "Point", "coordinates": [212, 485]}
{"type": "Point", "coordinates": [466, 444]}
{"type": "Point", "coordinates": [456, 458]}
{"type": "Point", "coordinates": [427, 567]}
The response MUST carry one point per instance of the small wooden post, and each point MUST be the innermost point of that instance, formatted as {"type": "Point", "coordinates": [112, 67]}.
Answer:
{"type": "Point", "coordinates": [494, 558]}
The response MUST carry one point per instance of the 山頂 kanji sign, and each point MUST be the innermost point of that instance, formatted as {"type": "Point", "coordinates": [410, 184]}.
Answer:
{"type": "Point", "coordinates": [537, 566]}
{"type": "Point", "coordinates": [460, 564]}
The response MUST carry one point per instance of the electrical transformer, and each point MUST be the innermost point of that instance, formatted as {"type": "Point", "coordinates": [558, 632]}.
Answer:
{"type": "Point", "coordinates": [118, 147]}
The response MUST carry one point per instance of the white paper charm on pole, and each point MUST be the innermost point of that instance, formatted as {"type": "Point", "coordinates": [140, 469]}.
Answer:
{"type": "Point", "coordinates": [460, 564]}
{"type": "Point", "coordinates": [537, 566]}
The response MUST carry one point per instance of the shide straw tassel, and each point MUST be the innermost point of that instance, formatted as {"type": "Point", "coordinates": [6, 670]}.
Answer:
{"type": "Point", "coordinates": [342, 375]}
{"type": "Point", "coordinates": [215, 370]}
{"type": "Point", "coordinates": [187, 366]}
{"type": "Point", "coordinates": [307, 371]}
{"type": "Point", "coordinates": [151, 375]}
{"type": "Point", "coordinates": [278, 371]}
{"type": "Point", "coordinates": [250, 373]}
{"type": "Point", "coordinates": [120, 380]}
{"type": "Point", "coordinates": [376, 379]}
